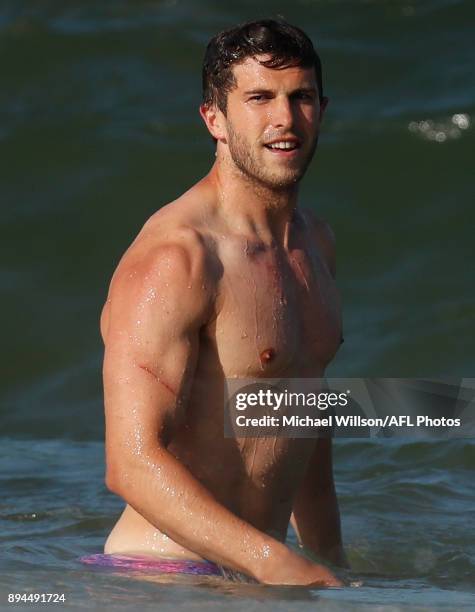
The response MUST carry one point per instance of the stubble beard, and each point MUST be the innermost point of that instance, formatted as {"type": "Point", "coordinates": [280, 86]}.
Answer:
{"type": "Point", "coordinates": [286, 180]}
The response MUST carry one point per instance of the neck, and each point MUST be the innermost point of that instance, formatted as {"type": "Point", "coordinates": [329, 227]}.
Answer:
{"type": "Point", "coordinates": [253, 209]}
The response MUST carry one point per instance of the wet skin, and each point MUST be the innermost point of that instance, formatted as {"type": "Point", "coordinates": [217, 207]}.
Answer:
{"type": "Point", "coordinates": [230, 281]}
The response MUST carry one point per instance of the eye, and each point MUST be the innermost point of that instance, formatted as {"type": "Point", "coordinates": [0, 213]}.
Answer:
{"type": "Point", "coordinates": [259, 98]}
{"type": "Point", "coordinates": [305, 96]}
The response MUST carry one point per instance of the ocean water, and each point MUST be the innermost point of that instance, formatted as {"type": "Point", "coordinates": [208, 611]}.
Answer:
{"type": "Point", "coordinates": [98, 129]}
{"type": "Point", "coordinates": [408, 511]}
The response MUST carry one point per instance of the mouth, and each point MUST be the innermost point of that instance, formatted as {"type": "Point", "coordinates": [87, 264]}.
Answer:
{"type": "Point", "coordinates": [284, 148]}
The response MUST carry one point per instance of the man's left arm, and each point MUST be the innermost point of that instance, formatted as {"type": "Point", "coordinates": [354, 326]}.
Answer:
{"type": "Point", "coordinates": [316, 516]}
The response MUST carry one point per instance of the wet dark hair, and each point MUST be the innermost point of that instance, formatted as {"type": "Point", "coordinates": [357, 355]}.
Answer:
{"type": "Point", "coordinates": [286, 44]}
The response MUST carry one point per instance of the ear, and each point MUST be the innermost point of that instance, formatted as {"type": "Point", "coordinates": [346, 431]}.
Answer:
{"type": "Point", "coordinates": [323, 105]}
{"type": "Point", "coordinates": [215, 121]}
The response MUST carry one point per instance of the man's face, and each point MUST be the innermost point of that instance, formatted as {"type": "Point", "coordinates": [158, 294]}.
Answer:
{"type": "Point", "coordinates": [272, 122]}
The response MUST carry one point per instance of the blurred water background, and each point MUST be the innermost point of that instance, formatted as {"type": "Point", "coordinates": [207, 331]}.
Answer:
{"type": "Point", "coordinates": [99, 128]}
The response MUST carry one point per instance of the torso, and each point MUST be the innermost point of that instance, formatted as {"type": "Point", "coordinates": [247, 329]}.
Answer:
{"type": "Point", "coordinates": [277, 315]}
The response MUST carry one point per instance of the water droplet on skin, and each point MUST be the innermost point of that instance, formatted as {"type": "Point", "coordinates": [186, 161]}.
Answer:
{"type": "Point", "coordinates": [151, 295]}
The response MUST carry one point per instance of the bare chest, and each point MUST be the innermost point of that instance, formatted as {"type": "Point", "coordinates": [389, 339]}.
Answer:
{"type": "Point", "coordinates": [279, 313]}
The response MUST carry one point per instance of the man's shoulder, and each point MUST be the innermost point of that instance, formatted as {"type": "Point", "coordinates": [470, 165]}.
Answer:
{"type": "Point", "coordinates": [320, 226]}
{"type": "Point", "coordinates": [169, 248]}
{"type": "Point", "coordinates": [169, 270]}
{"type": "Point", "coordinates": [169, 259]}
{"type": "Point", "coordinates": [175, 230]}
{"type": "Point", "coordinates": [178, 248]}
{"type": "Point", "coordinates": [324, 237]}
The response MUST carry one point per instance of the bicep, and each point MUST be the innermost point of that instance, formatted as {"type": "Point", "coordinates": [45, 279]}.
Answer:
{"type": "Point", "coordinates": [151, 352]}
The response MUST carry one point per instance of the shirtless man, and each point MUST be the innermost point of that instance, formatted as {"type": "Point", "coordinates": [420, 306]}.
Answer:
{"type": "Point", "coordinates": [232, 279]}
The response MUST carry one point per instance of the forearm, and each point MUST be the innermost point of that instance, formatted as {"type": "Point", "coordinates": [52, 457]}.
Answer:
{"type": "Point", "coordinates": [316, 519]}
{"type": "Point", "coordinates": [165, 493]}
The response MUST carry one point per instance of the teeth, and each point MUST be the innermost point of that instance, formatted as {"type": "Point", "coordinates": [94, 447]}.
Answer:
{"type": "Point", "coordinates": [282, 145]}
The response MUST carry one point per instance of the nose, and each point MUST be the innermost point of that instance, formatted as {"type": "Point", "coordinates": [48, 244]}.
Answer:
{"type": "Point", "coordinates": [282, 113]}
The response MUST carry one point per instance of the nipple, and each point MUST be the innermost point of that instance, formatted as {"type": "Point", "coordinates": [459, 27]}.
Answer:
{"type": "Point", "coordinates": [267, 356]}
